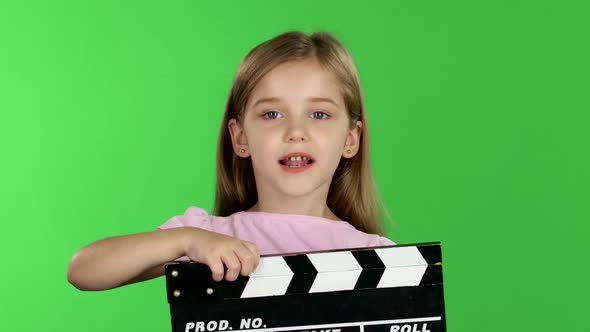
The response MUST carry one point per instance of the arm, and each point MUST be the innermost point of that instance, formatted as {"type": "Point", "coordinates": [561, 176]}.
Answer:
{"type": "Point", "coordinates": [123, 260]}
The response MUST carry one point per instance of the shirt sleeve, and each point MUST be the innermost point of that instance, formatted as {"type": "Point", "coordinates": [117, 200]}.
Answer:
{"type": "Point", "coordinates": [194, 217]}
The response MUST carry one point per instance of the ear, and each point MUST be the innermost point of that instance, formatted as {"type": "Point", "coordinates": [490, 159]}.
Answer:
{"type": "Point", "coordinates": [353, 139]}
{"type": "Point", "coordinates": [238, 138]}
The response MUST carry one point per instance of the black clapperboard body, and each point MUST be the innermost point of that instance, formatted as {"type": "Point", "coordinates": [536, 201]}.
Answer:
{"type": "Point", "coordinates": [379, 289]}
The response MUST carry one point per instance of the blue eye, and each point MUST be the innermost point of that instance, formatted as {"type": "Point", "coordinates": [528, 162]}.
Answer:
{"type": "Point", "coordinates": [271, 115]}
{"type": "Point", "coordinates": [323, 115]}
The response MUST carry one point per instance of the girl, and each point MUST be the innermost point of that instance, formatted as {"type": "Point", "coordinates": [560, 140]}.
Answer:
{"type": "Point", "coordinates": [293, 173]}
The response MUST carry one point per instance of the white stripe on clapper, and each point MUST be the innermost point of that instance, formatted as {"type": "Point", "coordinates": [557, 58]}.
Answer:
{"type": "Point", "coordinates": [272, 277]}
{"type": "Point", "coordinates": [404, 266]}
{"type": "Point", "coordinates": [336, 271]}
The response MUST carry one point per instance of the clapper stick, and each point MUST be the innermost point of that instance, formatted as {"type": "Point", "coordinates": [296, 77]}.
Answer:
{"type": "Point", "coordinates": [380, 289]}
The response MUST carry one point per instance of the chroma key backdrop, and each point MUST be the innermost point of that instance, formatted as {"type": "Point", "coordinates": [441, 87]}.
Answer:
{"type": "Point", "coordinates": [478, 117]}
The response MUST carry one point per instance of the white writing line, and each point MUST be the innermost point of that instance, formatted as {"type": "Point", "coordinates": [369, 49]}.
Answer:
{"type": "Point", "coordinates": [378, 322]}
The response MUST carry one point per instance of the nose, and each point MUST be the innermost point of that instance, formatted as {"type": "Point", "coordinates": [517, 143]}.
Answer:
{"type": "Point", "coordinates": [296, 133]}
{"type": "Point", "coordinates": [296, 139]}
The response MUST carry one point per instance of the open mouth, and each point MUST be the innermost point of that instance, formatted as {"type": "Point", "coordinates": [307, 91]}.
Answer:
{"type": "Point", "coordinates": [294, 160]}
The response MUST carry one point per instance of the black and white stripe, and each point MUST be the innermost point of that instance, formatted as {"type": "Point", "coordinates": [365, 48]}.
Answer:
{"type": "Point", "coordinates": [370, 288]}
{"type": "Point", "coordinates": [328, 271]}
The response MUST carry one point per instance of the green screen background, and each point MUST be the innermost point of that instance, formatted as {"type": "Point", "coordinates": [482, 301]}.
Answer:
{"type": "Point", "coordinates": [478, 115]}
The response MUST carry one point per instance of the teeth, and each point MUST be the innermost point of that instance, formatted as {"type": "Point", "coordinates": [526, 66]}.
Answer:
{"type": "Point", "coordinates": [298, 158]}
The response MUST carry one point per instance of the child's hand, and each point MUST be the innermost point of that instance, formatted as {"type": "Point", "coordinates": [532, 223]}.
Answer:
{"type": "Point", "coordinates": [216, 250]}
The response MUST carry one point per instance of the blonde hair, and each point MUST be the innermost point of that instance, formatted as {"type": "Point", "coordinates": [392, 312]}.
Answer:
{"type": "Point", "coordinates": [352, 195]}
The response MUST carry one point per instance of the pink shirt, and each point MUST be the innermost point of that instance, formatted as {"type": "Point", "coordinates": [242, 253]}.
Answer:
{"type": "Point", "coordinates": [276, 233]}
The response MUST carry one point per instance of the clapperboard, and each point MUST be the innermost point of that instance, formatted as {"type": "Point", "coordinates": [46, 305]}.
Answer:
{"type": "Point", "coordinates": [379, 289]}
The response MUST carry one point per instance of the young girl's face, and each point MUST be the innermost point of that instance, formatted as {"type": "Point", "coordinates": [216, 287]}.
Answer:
{"type": "Point", "coordinates": [296, 110]}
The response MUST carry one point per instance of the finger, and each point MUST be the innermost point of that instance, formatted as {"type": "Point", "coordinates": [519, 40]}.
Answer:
{"type": "Point", "coordinates": [256, 254]}
{"type": "Point", "coordinates": [253, 247]}
{"type": "Point", "coordinates": [216, 267]}
{"type": "Point", "coordinates": [233, 266]}
{"type": "Point", "coordinates": [246, 257]}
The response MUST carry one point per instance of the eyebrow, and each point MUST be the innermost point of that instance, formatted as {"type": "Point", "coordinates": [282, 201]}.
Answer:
{"type": "Point", "coordinates": [312, 99]}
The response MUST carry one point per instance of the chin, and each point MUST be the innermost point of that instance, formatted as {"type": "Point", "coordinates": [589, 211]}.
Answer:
{"type": "Point", "coordinates": [297, 193]}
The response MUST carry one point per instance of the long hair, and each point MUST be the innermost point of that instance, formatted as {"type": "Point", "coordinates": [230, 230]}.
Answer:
{"type": "Point", "coordinates": [352, 195]}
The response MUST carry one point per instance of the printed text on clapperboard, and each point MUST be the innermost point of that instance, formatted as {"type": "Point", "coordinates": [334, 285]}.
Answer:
{"type": "Point", "coordinates": [257, 323]}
